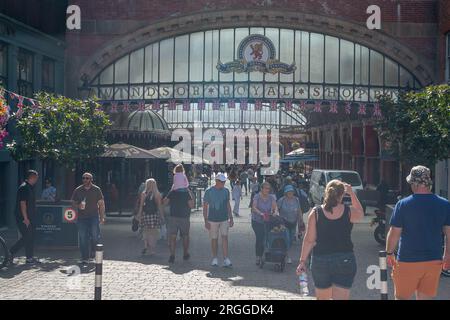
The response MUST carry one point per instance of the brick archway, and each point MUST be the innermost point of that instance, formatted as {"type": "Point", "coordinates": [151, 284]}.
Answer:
{"type": "Point", "coordinates": [257, 18]}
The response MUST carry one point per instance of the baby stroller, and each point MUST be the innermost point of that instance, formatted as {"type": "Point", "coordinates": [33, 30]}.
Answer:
{"type": "Point", "coordinates": [277, 239]}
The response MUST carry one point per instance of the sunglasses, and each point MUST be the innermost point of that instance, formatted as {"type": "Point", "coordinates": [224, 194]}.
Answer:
{"type": "Point", "coordinates": [86, 178]}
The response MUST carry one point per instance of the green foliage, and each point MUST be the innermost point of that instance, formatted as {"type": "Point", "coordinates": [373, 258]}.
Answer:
{"type": "Point", "coordinates": [419, 123]}
{"type": "Point", "coordinates": [60, 129]}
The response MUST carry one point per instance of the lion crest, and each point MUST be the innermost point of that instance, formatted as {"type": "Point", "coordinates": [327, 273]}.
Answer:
{"type": "Point", "coordinates": [257, 50]}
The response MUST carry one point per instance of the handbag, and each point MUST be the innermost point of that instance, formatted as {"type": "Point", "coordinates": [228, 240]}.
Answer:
{"type": "Point", "coordinates": [134, 224]}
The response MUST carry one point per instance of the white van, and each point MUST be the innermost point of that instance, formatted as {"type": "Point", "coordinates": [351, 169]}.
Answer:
{"type": "Point", "coordinates": [320, 178]}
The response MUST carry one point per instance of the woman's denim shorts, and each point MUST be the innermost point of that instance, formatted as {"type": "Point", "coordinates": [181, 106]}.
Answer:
{"type": "Point", "coordinates": [337, 269]}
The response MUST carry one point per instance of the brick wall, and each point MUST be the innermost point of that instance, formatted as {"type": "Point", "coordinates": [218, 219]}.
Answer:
{"type": "Point", "coordinates": [413, 23]}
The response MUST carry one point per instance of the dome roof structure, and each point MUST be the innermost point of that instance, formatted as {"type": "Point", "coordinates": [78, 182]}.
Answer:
{"type": "Point", "coordinates": [144, 121]}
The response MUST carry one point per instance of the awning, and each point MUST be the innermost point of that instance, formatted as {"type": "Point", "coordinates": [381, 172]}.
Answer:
{"type": "Point", "coordinates": [126, 151]}
{"type": "Point", "coordinates": [175, 156]}
{"type": "Point", "coordinates": [299, 158]}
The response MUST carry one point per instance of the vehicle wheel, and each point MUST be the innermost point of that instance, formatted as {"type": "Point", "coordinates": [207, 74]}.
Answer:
{"type": "Point", "coordinates": [380, 235]}
{"type": "Point", "coordinates": [4, 255]}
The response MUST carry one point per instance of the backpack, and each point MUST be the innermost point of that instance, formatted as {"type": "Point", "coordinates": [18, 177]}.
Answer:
{"type": "Point", "coordinates": [304, 203]}
{"type": "Point", "coordinates": [149, 205]}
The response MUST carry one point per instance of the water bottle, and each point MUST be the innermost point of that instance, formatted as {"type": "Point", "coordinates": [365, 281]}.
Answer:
{"type": "Point", "coordinates": [303, 283]}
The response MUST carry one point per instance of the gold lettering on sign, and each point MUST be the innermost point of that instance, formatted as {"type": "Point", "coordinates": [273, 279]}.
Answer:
{"type": "Point", "coordinates": [271, 91]}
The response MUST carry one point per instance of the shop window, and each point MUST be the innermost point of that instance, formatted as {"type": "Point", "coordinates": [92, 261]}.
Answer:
{"type": "Point", "coordinates": [3, 65]}
{"type": "Point", "coordinates": [25, 73]}
{"type": "Point", "coordinates": [48, 75]}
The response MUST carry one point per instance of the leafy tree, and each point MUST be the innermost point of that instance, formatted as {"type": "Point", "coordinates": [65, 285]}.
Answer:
{"type": "Point", "coordinates": [60, 129]}
{"type": "Point", "coordinates": [419, 124]}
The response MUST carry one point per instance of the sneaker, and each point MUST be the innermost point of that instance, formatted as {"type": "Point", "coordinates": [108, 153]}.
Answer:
{"type": "Point", "coordinates": [172, 259]}
{"type": "Point", "coordinates": [258, 261]}
{"type": "Point", "coordinates": [227, 263]}
{"type": "Point", "coordinates": [215, 262]}
{"type": "Point", "coordinates": [186, 256]}
{"type": "Point", "coordinates": [10, 261]}
{"type": "Point", "coordinates": [289, 260]}
{"type": "Point", "coordinates": [83, 262]}
{"type": "Point", "coordinates": [32, 261]}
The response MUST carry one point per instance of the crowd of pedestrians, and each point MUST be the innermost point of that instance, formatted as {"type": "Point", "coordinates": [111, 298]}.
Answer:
{"type": "Point", "coordinates": [418, 242]}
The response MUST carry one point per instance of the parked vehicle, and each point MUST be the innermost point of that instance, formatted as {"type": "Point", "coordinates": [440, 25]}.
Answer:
{"type": "Point", "coordinates": [320, 178]}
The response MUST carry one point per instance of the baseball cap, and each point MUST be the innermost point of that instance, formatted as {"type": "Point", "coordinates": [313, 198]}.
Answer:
{"type": "Point", "coordinates": [420, 175]}
{"type": "Point", "coordinates": [288, 188]}
{"type": "Point", "coordinates": [221, 177]}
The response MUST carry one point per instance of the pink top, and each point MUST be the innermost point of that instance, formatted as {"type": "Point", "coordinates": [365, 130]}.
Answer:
{"type": "Point", "coordinates": [180, 181]}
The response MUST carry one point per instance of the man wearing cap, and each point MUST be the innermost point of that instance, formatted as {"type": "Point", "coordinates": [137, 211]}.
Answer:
{"type": "Point", "coordinates": [419, 222]}
{"type": "Point", "coordinates": [218, 217]}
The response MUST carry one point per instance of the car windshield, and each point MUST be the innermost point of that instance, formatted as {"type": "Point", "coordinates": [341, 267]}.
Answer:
{"type": "Point", "coordinates": [347, 177]}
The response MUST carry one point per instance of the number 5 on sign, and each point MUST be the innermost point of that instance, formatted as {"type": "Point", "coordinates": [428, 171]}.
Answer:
{"type": "Point", "coordinates": [70, 215]}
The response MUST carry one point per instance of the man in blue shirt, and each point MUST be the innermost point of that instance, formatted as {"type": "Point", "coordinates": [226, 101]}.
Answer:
{"type": "Point", "coordinates": [218, 217]}
{"type": "Point", "coordinates": [419, 222]}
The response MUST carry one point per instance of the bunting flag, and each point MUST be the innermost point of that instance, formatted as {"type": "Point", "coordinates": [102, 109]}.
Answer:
{"type": "Point", "coordinates": [172, 105]}
{"type": "Point", "coordinates": [244, 104]}
{"type": "Point", "coordinates": [156, 105]}
{"type": "Point", "coordinates": [273, 105]}
{"type": "Point", "coordinates": [201, 105]}
{"type": "Point", "coordinates": [362, 109]}
{"type": "Point", "coordinates": [348, 108]}
{"type": "Point", "coordinates": [216, 105]}
{"type": "Point", "coordinates": [303, 106]}
{"type": "Point", "coordinates": [318, 106]}
{"type": "Point", "coordinates": [258, 105]}
{"type": "Point", "coordinates": [288, 105]}
{"type": "Point", "coordinates": [334, 107]}
{"type": "Point", "coordinates": [126, 106]}
{"type": "Point", "coordinates": [34, 104]}
{"type": "Point", "coordinates": [141, 106]}
{"type": "Point", "coordinates": [377, 111]}
{"type": "Point", "coordinates": [186, 105]}
{"type": "Point", "coordinates": [114, 106]}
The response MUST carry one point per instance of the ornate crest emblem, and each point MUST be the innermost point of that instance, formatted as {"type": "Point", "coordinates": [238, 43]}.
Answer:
{"type": "Point", "coordinates": [256, 53]}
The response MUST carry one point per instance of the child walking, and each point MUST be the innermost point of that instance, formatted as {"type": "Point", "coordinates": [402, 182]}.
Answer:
{"type": "Point", "coordinates": [236, 195]}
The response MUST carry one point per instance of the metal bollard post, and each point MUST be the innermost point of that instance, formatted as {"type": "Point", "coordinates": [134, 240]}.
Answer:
{"type": "Point", "coordinates": [383, 275]}
{"type": "Point", "coordinates": [98, 271]}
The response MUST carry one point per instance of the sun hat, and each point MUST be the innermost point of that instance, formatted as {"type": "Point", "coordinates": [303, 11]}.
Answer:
{"type": "Point", "coordinates": [420, 175]}
{"type": "Point", "coordinates": [289, 188]}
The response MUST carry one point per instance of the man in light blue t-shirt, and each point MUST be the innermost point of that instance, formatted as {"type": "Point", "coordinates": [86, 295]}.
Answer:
{"type": "Point", "coordinates": [218, 217]}
{"type": "Point", "coordinates": [419, 223]}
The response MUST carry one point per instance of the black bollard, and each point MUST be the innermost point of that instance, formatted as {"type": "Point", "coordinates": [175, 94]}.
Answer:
{"type": "Point", "coordinates": [383, 275]}
{"type": "Point", "coordinates": [98, 271]}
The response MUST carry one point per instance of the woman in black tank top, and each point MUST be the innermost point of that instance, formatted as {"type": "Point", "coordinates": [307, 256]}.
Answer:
{"type": "Point", "coordinates": [328, 238]}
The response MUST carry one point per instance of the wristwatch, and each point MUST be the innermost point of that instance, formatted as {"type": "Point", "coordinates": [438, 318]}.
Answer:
{"type": "Point", "coordinates": [389, 253]}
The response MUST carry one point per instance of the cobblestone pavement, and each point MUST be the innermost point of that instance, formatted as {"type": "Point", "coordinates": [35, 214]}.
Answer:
{"type": "Point", "coordinates": [128, 275]}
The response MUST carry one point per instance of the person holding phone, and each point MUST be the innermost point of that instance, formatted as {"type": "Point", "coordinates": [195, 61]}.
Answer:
{"type": "Point", "coordinates": [328, 238]}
